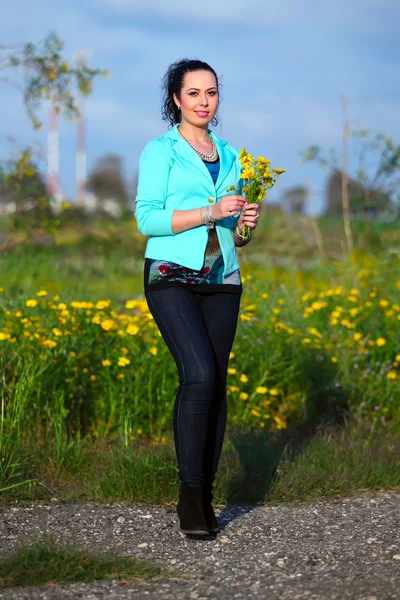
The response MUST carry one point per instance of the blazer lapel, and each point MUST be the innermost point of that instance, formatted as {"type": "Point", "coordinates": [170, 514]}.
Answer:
{"type": "Point", "coordinates": [182, 148]}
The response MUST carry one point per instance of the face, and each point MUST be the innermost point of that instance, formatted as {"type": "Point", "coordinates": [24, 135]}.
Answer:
{"type": "Point", "coordinates": [199, 97]}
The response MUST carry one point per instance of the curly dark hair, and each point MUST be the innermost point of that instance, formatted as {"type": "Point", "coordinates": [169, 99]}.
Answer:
{"type": "Point", "coordinates": [172, 84]}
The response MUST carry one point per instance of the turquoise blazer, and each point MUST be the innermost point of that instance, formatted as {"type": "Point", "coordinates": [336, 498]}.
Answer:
{"type": "Point", "coordinates": [172, 176]}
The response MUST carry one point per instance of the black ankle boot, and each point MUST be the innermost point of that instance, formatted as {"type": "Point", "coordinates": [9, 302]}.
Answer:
{"type": "Point", "coordinates": [190, 510]}
{"type": "Point", "coordinates": [209, 514]}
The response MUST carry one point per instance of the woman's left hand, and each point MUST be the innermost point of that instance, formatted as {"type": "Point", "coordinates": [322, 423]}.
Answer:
{"type": "Point", "coordinates": [248, 216]}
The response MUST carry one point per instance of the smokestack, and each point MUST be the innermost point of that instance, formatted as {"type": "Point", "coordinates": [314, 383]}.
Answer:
{"type": "Point", "coordinates": [53, 160]}
{"type": "Point", "coordinates": [81, 157]}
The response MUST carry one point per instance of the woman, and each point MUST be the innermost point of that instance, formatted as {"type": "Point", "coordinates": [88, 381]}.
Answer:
{"type": "Point", "coordinates": [187, 206]}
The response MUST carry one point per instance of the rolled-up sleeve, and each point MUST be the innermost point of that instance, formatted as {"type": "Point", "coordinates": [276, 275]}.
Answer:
{"type": "Point", "coordinates": [151, 215]}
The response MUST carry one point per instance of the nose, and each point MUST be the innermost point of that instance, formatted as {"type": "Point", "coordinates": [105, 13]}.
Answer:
{"type": "Point", "coordinates": [204, 101]}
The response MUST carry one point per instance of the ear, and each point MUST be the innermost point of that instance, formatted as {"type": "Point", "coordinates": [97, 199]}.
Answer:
{"type": "Point", "coordinates": [176, 100]}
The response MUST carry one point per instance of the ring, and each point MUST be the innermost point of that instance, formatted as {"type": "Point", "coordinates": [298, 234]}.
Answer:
{"type": "Point", "coordinates": [257, 215]}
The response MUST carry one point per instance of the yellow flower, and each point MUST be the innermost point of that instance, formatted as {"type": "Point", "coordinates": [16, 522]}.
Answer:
{"type": "Point", "coordinates": [380, 341]}
{"type": "Point", "coordinates": [279, 171]}
{"type": "Point", "coordinates": [231, 371]}
{"type": "Point", "coordinates": [132, 329]}
{"type": "Point", "coordinates": [4, 336]}
{"type": "Point", "coordinates": [92, 378]}
{"type": "Point", "coordinates": [123, 361]}
{"type": "Point", "coordinates": [42, 293]}
{"type": "Point", "coordinates": [243, 396]}
{"type": "Point", "coordinates": [274, 392]}
{"type": "Point", "coordinates": [106, 362]}
{"type": "Point", "coordinates": [280, 423]}
{"type": "Point", "coordinates": [244, 378]}
{"type": "Point", "coordinates": [232, 355]}
{"type": "Point", "coordinates": [357, 336]}
{"type": "Point", "coordinates": [102, 304]}
{"type": "Point", "coordinates": [334, 359]}
{"type": "Point", "coordinates": [255, 413]}
{"type": "Point", "coordinates": [261, 390]}
{"type": "Point", "coordinates": [31, 303]}
{"type": "Point", "coordinates": [398, 357]}
{"type": "Point", "coordinates": [383, 303]}
{"type": "Point", "coordinates": [108, 324]}
{"type": "Point", "coordinates": [153, 350]}
{"type": "Point", "coordinates": [57, 331]}
{"type": "Point", "coordinates": [49, 343]}
{"type": "Point", "coordinates": [392, 375]}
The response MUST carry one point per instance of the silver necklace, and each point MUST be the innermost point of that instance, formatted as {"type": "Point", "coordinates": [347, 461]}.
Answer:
{"type": "Point", "coordinates": [203, 156]}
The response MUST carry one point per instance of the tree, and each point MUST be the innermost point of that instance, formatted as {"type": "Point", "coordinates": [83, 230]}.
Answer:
{"type": "Point", "coordinates": [107, 183]}
{"type": "Point", "coordinates": [373, 186]}
{"type": "Point", "coordinates": [293, 199]}
{"type": "Point", "coordinates": [48, 76]}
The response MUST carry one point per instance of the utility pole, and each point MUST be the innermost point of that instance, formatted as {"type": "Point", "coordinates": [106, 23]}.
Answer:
{"type": "Point", "coordinates": [345, 177]}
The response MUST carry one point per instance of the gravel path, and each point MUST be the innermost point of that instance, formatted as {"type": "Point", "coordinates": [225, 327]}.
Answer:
{"type": "Point", "coordinates": [337, 550]}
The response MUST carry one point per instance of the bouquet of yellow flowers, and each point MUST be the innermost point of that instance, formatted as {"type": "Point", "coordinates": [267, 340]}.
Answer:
{"type": "Point", "coordinates": [256, 179]}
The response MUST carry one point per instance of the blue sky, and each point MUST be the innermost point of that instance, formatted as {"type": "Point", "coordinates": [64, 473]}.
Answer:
{"type": "Point", "coordinates": [284, 66]}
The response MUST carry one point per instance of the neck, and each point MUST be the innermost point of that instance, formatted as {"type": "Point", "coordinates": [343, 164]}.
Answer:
{"type": "Point", "coordinates": [193, 132]}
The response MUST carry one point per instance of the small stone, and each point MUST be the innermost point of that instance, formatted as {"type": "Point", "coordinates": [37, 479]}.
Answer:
{"type": "Point", "coordinates": [371, 598]}
{"type": "Point", "coordinates": [280, 563]}
{"type": "Point", "coordinates": [396, 557]}
{"type": "Point", "coordinates": [224, 539]}
{"type": "Point", "coordinates": [121, 520]}
{"type": "Point", "coordinates": [144, 545]}
{"type": "Point", "coordinates": [146, 516]}
{"type": "Point", "coordinates": [173, 561]}
{"type": "Point", "coordinates": [53, 500]}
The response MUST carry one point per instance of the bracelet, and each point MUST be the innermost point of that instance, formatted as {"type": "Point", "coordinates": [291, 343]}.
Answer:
{"type": "Point", "coordinates": [242, 237]}
{"type": "Point", "coordinates": [207, 217]}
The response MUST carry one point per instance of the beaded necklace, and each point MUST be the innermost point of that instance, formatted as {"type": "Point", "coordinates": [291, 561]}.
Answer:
{"type": "Point", "coordinates": [208, 157]}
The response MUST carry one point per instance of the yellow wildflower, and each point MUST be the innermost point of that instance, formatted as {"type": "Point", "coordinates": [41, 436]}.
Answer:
{"type": "Point", "coordinates": [255, 413]}
{"type": "Point", "coordinates": [380, 341]}
{"type": "Point", "coordinates": [153, 350]}
{"type": "Point", "coordinates": [42, 293]}
{"type": "Point", "coordinates": [392, 375]}
{"type": "Point", "coordinates": [106, 363]}
{"type": "Point", "coordinates": [231, 371]}
{"type": "Point", "coordinates": [244, 378]}
{"type": "Point", "coordinates": [123, 361]}
{"type": "Point", "coordinates": [243, 396]}
{"type": "Point", "coordinates": [101, 304]}
{"type": "Point", "coordinates": [261, 389]}
{"type": "Point", "coordinates": [274, 392]}
{"type": "Point", "coordinates": [31, 303]}
{"type": "Point", "coordinates": [108, 324]}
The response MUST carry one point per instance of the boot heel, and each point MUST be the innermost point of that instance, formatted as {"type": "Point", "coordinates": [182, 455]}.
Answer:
{"type": "Point", "coordinates": [190, 511]}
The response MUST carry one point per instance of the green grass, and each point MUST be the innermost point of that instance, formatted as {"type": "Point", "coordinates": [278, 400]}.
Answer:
{"type": "Point", "coordinates": [48, 563]}
{"type": "Point", "coordinates": [256, 467]}
{"type": "Point", "coordinates": [340, 463]}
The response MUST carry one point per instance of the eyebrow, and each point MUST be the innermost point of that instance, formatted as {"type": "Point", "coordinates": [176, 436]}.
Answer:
{"type": "Point", "coordinates": [197, 89]}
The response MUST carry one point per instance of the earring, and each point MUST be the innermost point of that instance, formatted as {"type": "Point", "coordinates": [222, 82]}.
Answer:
{"type": "Point", "coordinates": [179, 108]}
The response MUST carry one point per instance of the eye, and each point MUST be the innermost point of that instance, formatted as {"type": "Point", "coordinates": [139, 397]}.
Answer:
{"type": "Point", "coordinates": [192, 93]}
{"type": "Point", "coordinates": [212, 93]}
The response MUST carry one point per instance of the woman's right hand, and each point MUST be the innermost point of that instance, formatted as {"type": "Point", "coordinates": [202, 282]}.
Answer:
{"type": "Point", "coordinates": [228, 206]}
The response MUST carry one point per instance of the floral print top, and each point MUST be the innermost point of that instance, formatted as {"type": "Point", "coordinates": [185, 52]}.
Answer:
{"type": "Point", "coordinates": [159, 274]}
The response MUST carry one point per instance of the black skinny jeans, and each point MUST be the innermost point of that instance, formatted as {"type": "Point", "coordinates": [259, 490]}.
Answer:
{"type": "Point", "coordinates": [199, 329]}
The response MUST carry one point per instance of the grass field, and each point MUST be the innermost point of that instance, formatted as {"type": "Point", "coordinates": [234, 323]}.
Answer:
{"type": "Point", "coordinates": [88, 385]}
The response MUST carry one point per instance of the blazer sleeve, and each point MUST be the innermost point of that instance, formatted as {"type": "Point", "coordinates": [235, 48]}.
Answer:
{"type": "Point", "coordinates": [152, 217]}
